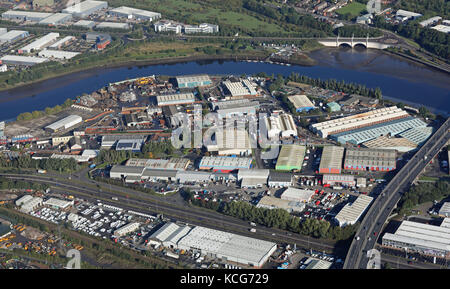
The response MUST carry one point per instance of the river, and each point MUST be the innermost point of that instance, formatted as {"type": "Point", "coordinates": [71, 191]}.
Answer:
{"type": "Point", "coordinates": [398, 79]}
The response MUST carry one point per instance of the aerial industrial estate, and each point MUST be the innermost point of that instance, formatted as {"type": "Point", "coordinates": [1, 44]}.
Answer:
{"type": "Point", "coordinates": [213, 170]}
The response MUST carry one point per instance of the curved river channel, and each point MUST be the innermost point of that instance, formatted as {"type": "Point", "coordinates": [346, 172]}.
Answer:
{"type": "Point", "coordinates": [399, 80]}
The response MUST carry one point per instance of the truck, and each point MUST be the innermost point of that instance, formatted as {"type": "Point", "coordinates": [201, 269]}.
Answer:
{"type": "Point", "coordinates": [253, 230]}
{"type": "Point", "coordinates": [252, 224]}
{"type": "Point", "coordinates": [42, 171]}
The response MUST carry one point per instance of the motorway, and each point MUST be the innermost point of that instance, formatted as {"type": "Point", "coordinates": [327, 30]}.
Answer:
{"type": "Point", "coordinates": [372, 224]}
{"type": "Point", "coordinates": [141, 202]}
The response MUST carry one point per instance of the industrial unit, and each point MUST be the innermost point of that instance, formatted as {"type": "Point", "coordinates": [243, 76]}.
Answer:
{"type": "Point", "coordinates": [334, 106]}
{"type": "Point", "coordinates": [444, 211]}
{"type": "Point", "coordinates": [301, 102]}
{"type": "Point", "coordinates": [334, 179]}
{"type": "Point", "coordinates": [39, 43]}
{"type": "Point", "coordinates": [191, 81]}
{"type": "Point", "coordinates": [134, 145]}
{"type": "Point", "coordinates": [370, 159]}
{"type": "Point", "coordinates": [418, 134]}
{"type": "Point", "coordinates": [109, 141]}
{"type": "Point", "coordinates": [253, 178]}
{"type": "Point", "coordinates": [86, 8]}
{"type": "Point", "coordinates": [22, 60]}
{"type": "Point", "coordinates": [240, 88]}
{"type": "Point", "coordinates": [297, 195]}
{"type": "Point", "coordinates": [170, 164]}
{"type": "Point", "coordinates": [331, 160]}
{"type": "Point", "coordinates": [64, 123]}
{"type": "Point", "coordinates": [351, 213]}
{"type": "Point", "coordinates": [237, 107]}
{"type": "Point", "coordinates": [113, 25]}
{"type": "Point", "coordinates": [175, 99]}
{"type": "Point", "coordinates": [133, 13]}
{"type": "Point", "coordinates": [60, 43]}
{"type": "Point", "coordinates": [422, 238]}
{"type": "Point", "coordinates": [312, 264]}
{"type": "Point", "coordinates": [268, 202]}
{"type": "Point", "coordinates": [399, 144]}
{"type": "Point", "coordinates": [224, 164]}
{"type": "Point", "coordinates": [13, 35]}
{"type": "Point", "coordinates": [430, 21]}
{"type": "Point", "coordinates": [58, 203]}
{"type": "Point", "coordinates": [230, 141]}
{"type": "Point", "coordinates": [85, 23]}
{"type": "Point", "coordinates": [403, 15]}
{"type": "Point", "coordinates": [30, 204]}
{"type": "Point", "coordinates": [56, 19]}
{"type": "Point", "coordinates": [279, 179]}
{"type": "Point", "coordinates": [193, 177]}
{"type": "Point", "coordinates": [128, 228]}
{"type": "Point", "coordinates": [120, 172]}
{"type": "Point", "coordinates": [57, 54]}
{"type": "Point", "coordinates": [280, 125]}
{"type": "Point", "coordinates": [25, 15]}
{"type": "Point", "coordinates": [290, 158]}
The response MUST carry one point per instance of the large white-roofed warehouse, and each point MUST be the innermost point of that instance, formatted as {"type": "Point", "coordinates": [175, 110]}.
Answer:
{"type": "Point", "coordinates": [224, 164]}
{"type": "Point", "coordinates": [25, 15]}
{"type": "Point", "coordinates": [172, 99]}
{"type": "Point", "coordinates": [297, 195]}
{"type": "Point", "coordinates": [39, 43]}
{"type": "Point", "coordinates": [215, 244]}
{"type": "Point", "coordinates": [133, 13]}
{"type": "Point", "coordinates": [191, 81]}
{"type": "Point", "coordinates": [86, 8]}
{"type": "Point", "coordinates": [351, 213]}
{"type": "Point", "coordinates": [64, 123]}
{"type": "Point", "coordinates": [22, 60]}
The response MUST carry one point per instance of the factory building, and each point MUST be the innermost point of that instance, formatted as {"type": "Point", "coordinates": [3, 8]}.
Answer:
{"type": "Point", "coordinates": [112, 25]}
{"type": "Point", "coordinates": [418, 134]}
{"type": "Point", "coordinates": [128, 228]}
{"type": "Point", "coordinates": [23, 200]}
{"type": "Point", "coordinates": [312, 264]}
{"type": "Point", "coordinates": [62, 42]}
{"type": "Point", "coordinates": [426, 239]}
{"type": "Point", "coordinates": [61, 140]}
{"type": "Point", "coordinates": [85, 23]}
{"type": "Point", "coordinates": [403, 15]}
{"type": "Point", "coordinates": [240, 88]}
{"type": "Point", "coordinates": [39, 43]}
{"type": "Point", "coordinates": [351, 213]}
{"type": "Point", "coordinates": [191, 81]}
{"type": "Point", "coordinates": [22, 60]}
{"type": "Point", "coordinates": [175, 99]}
{"type": "Point", "coordinates": [25, 15]}
{"type": "Point", "coordinates": [237, 107]}
{"type": "Point", "coordinates": [444, 211]}
{"type": "Point", "coordinates": [301, 102]}
{"type": "Point", "coordinates": [280, 125]}
{"type": "Point", "coordinates": [193, 177]}
{"type": "Point", "coordinates": [370, 159]}
{"type": "Point", "coordinates": [331, 160]}
{"type": "Point", "coordinates": [339, 125]}
{"type": "Point", "coordinates": [64, 123]}
{"type": "Point", "coordinates": [230, 141]}
{"type": "Point", "coordinates": [279, 180]}
{"type": "Point", "coordinates": [56, 19]}
{"type": "Point", "coordinates": [442, 28]}
{"type": "Point", "coordinates": [268, 202]}
{"type": "Point", "coordinates": [338, 179]}
{"type": "Point", "coordinates": [134, 145]}
{"type": "Point", "coordinates": [133, 13]}
{"type": "Point", "coordinates": [215, 244]}
{"type": "Point", "coordinates": [30, 205]}
{"type": "Point", "coordinates": [399, 144]}
{"type": "Point", "coordinates": [290, 158]}
{"type": "Point", "coordinates": [121, 172]}
{"type": "Point", "coordinates": [160, 164]}
{"type": "Point", "coordinates": [364, 134]}
{"type": "Point", "coordinates": [85, 8]}
{"type": "Point", "coordinates": [297, 195]}
{"type": "Point", "coordinates": [58, 203]}
{"type": "Point", "coordinates": [224, 164]}
{"type": "Point", "coordinates": [77, 158]}
{"type": "Point", "coordinates": [109, 141]}
{"type": "Point", "coordinates": [13, 36]}
{"type": "Point", "coordinates": [58, 54]}
{"type": "Point", "coordinates": [159, 175]}
{"type": "Point", "coordinates": [430, 21]}
{"type": "Point", "coordinates": [253, 178]}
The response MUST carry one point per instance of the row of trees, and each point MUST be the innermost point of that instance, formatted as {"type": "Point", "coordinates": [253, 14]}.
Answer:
{"type": "Point", "coordinates": [47, 111]}
{"type": "Point", "coordinates": [26, 162]}
{"type": "Point", "coordinates": [7, 184]}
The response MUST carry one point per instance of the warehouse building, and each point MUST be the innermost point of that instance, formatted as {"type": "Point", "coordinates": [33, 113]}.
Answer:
{"type": "Point", "coordinates": [313, 264]}
{"type": "Point", "coordinates": [112, 25]}
{"type": "Point", "coordinates": [159, 175]}
{"type": "Point", "coordinates": [403, 15]}
{"type": "Point", "coordinates": [134, 145]}
{"type": "Point", "coordinates": [224, 164]}
{"type": "Point", "coordinates": [430, 21]}
{"type": "Point", "coordinates": [215, 244]}
{"type": "Point", "coordinates": [25, 15]}
{"type": "Point", "coordinates": [175, 99]}
{"type": "Point", "coordinates": [339, 125]}
{"type": "Point", "coordinates": [253, 178]}
{"type": "Point", "coordinates": [297, 195]}
{"type": "Point", "coordinates": [240, 88]}
{"type": "Point", "coordinates": [110, 140]}
{"type": "Point", "coordinates": [442, 28]}
{"type": "Point", "coordinates": [56, 19]}
{"type": "Point", "coordinates": [133, 13]}
{"type": "Point", "coordinates": [85, 23]}
{"type": "Point", "coordinates": [280, 125]}
{"type": "Point", "coordinates": [392, 128]}
{"type": "Point", "coordinates": [445, 223]}
{"type": "Point", "coordinates": [279, 180]}
{"type": "Point", "coordinates": [422, 238]}
{"type": "Point", "coordinates": [444, 211]}
{"type": "Point", "coordinates": [193, 177]}
{"type": "Point", "coordinates": [58, 203]}
{"type": "Point", "coordinates": [22, 200]}
{"type": "Point", "coordinates": [22, 60]}
{"type": "Point", "coordinates": [399, 144]}
{"type": "Point", "coordinates": [62, 42]}
{"type": "Point", "coordinates": [370, 159]}
{"type": "Point", "coordinates": [334, 106]}
{"type": "Point", "coordinates": [230, 141]}
{"type": "Point", "coordinates": [31, 205]}
{"type": "Point", "coordinates": [39, 43]}
{"type": "Point", "coordinates": [301, 102]}
{"type": "Point", "coordinates": [77, 158]}
{"type": "Point", "coordinates": [290, 158]}
{"type": "Point", "coordinates": [191, 81]}
{"type": "Point", "coordinates": [331, 160]}
{"type": "Point", "coordinates": [128, 228]}
{"type": "Point", "coordinates": [418, 134]}
{"type": "Point", "coordinates": [13, 36]}
{"type": "Point", "coordinates": [122, 172]}
{"type": "Point", "coordinates": [160, 164]}
{"type": "Point", "coordinates": [268, 202]}
{"type": "Point", "coordinates": [58, 54]}
{"type": "Point", "coordinates": [236, 107]}
{"type": "Point", "coordinates": [64, 123]}
{"type": "Point", "coordinates": [338, 179]}
{"type": "Point", "coordinates": [86, 8]}
{"type": "Point", "coordinates": [351, 213]}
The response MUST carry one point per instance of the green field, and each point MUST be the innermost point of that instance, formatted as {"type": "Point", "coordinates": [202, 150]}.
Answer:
{"type": "Point", "coordinates": [354, 8]}
{"type": "Point", "coordinates": [211, 11]}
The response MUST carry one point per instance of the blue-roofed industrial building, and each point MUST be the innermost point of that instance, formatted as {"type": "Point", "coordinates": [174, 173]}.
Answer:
{"type": "Point", "coordinates": [364, 134]}
{"type": "Point", "coordinates": [334, 106]}
{"type": "Point", "coordinates": [418, 135]}
{"type": "Point", "coordinates": [133, 145]}
{"type": "Point", "coordinates": [191, 81]}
